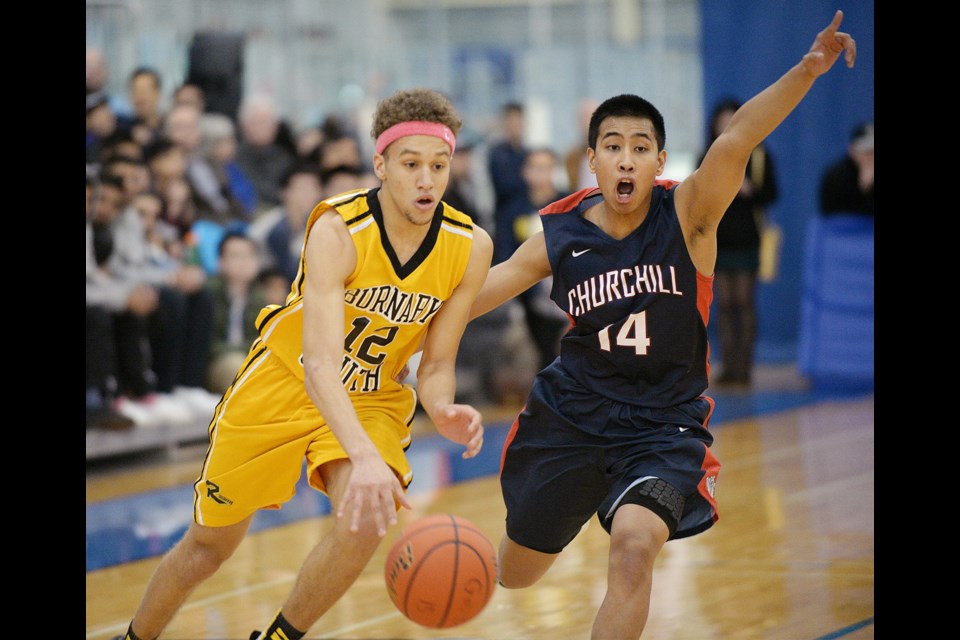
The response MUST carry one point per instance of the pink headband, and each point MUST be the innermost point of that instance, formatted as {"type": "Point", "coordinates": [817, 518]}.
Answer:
{"type": "Point", "coordinates": [416, 128]}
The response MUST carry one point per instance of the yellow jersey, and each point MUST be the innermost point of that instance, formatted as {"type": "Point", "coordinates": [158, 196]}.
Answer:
{"type": "Point", "coordinates": [388, 306]}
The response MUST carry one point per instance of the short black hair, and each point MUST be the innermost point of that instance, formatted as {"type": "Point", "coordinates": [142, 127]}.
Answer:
{"type": "Point", "coordinates": [631, 106]}
{"type": "Point", "coordinates": [272, 271]}
{"type": "Point", "coordinates": [348, 169]}
{"type": "Point", "coordinates": [231, 235]}
{"type": "Point", "coordinates": [722, 106]}
{"type": "Point", "coordinates": [147, 71]}
{"type": "Point", "coordinates": [513, 105]}
{"type": "Point", "coordinates": [158, 146]}
{"type": "Point", "coordinates": [107, 178]}
{"type": "Point", "coordinates": [296, 169]}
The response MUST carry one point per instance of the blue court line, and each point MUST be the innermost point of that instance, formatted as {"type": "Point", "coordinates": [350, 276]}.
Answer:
{"type": "Point", "coordinates": [847, 630]}
{"type": "Point", "coordinates": [147, 524]}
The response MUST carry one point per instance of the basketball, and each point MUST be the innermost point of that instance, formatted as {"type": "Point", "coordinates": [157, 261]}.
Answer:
{"type": "Point", "coordinates": [441, 571]}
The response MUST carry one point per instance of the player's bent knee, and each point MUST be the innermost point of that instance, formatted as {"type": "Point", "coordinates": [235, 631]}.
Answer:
{"type": "Point", "coordinates": [212, 546]}
{"type": "Point", "coordinates": [658, 496]}
{"type": "Point", "coordinates": [519, 567]}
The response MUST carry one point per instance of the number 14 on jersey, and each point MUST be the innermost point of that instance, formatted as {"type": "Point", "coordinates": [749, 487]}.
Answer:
{"type": "Point", "coordinates": [632, 334]}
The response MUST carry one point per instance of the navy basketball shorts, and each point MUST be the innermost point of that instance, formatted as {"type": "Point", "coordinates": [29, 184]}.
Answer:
{"type": "Point", "coordinates": [571, 454]}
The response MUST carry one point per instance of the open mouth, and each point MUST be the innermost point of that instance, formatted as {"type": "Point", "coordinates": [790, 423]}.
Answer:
{"type": "Point", "coordinates": [424, 201]}
{"type": "Point", "coordinates": [625, 188]}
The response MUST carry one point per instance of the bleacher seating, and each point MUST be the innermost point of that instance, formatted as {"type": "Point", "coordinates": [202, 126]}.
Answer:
{"type": "Point", "coordinates": [836, 337]}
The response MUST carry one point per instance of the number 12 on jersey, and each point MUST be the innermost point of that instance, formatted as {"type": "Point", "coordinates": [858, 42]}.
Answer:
{"type": "Point", "coordinates": [633, 333]}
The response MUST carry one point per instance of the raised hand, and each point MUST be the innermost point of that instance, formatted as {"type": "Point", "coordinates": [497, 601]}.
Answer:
{"type": "Point", "coordinates": [827, 47]}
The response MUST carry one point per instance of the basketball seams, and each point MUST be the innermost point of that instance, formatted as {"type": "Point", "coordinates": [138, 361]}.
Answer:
{"type": "Point", "coordinates": [423, 561]}
{"type": "Point", "coordinates": [435, 597]}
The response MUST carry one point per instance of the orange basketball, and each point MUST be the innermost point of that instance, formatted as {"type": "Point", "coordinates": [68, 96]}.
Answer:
{"type": "Point", "coordinates": [441, 571]}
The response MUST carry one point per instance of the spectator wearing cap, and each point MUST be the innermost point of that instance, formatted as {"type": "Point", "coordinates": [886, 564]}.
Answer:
{"type": "Point", "coordinates": [847, 184]}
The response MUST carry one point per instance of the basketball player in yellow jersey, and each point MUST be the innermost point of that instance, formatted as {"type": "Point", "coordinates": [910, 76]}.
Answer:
{"type": "Point", "coordinates": [382, 272]}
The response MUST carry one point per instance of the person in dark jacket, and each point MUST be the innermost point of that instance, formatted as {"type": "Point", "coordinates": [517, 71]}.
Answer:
{"type": "Point", "coordinates": [738, 255]}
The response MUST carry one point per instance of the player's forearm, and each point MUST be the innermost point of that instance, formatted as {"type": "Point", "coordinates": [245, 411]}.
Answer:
{"type": "Point", "coordinates": [502, 284]}
{"type": "Point", "coordinates": [325, 389]}
{"type": "Point", "coordinates": [436, 384]}
{"type": "Point", "coordinates": [763, 113]}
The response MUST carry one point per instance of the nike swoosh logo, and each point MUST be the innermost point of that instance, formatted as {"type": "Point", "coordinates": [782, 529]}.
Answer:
{"type": "Point", "coordinates": [682, 429]}
{"type": "Point", "coordinates": [579, 253]}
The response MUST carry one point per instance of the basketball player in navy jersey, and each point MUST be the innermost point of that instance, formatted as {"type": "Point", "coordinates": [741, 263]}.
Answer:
{"type": "Point", "coordinates": [617, 425]}
{"type": "Point", "coordinates": [382, 272]}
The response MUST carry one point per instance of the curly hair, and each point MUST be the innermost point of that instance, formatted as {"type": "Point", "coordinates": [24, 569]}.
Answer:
{"type": "Point", "coordinates": [415, 104]}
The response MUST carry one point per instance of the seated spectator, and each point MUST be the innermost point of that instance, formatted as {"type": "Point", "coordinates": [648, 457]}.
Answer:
{"type": "Point", "coordinates": [102, 123]}
{"type": "Point", "coordinates": [98, 76]}
{"type": "Point", "coordinates": [133, 171]}
{"type": "Point", "coordinates": [199, 237]}
{"type": "Point", "coordinates": [218, 144]}
{"type": "Point", "coordinates": [343, 150]}
{"type": "Point", "coordinates": [279, 232]}
{"type": "Point", "coordinates": [104, 297]}
{"type": "Point", "coordinates": [847, 184]}
{"type": "Point", "coordinates": [262, 154]}
{"type": "Point", "coordinates": [342, 178]}
{"type": "Point", "coordinates": [275, 285]}
{"type": "Point", "coordinates": [119, 375]}
{"type": "Point", "coordinates": [179, 328]}
{"type": "Point", "coordinates": [180, 213]}
{"type": "Point", "coordinates": [190, 93]}
{"type": "Point", "coordinates": [215, 201]}
{"type": "Point", "coordinates": [145, 93]}
{"type": "Point", "coordinates": [237, 299]}
{"type": "Point", "coordinates": [162, 238]}
{"type": "Point", "coordinates": [167, 162]}
{"type": "Point", "coordinates": [120, 143]}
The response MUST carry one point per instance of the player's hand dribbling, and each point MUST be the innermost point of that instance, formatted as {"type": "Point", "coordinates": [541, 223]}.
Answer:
{"type": "Point", "coordinates": [462, 424]}
{"type": "Point", "coordinates": [372, 485]}
{"type": "Point", "coordinates": [828, 46]}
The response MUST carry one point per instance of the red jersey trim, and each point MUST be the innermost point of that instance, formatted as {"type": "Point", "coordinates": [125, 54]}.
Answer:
{"type": "Point", "coordinates": [570, 202]}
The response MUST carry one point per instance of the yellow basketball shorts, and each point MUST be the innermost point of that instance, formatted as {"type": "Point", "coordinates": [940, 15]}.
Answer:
{"type": "Point", "coordinates": [266, 426]}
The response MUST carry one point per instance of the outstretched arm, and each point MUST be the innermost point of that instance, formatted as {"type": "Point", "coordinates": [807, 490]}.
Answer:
{"type": "Point", "coordinates": [527, 266]}
{"type": "Point", "coordinates": [705, 195]}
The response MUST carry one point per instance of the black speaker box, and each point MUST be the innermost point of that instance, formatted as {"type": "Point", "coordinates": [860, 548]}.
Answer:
{"type": "Point", "coordinates": [216, 66]}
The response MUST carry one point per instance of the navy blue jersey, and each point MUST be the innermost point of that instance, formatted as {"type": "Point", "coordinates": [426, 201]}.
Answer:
{"type": "Point", "coordinates": [638, 305]}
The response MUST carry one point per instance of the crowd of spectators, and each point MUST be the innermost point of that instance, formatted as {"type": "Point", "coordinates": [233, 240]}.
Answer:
{"type": "Point", "coordinates": [195, 221]}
